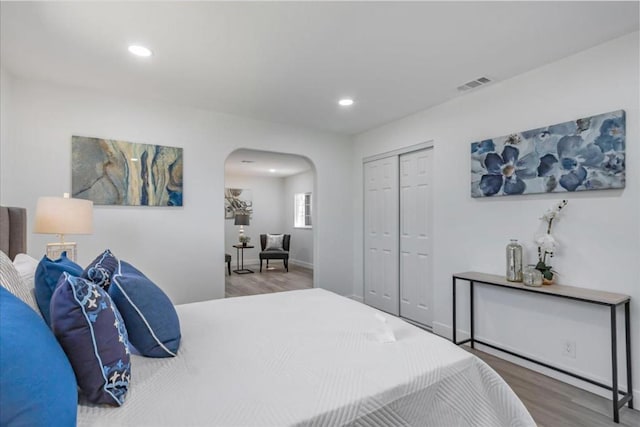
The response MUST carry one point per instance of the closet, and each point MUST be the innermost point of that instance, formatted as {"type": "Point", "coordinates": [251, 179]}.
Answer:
{"type": "Point", "coordinates": [398, 233]}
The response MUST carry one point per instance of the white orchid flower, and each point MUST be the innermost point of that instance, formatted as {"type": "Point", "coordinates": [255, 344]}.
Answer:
{"type": "Point", "coordinates": [547, 242]}
{"type": "Point", "coordinates": [549, 215]}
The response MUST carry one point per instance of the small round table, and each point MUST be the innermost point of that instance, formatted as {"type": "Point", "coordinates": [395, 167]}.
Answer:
{"type": "Point", "coordinates": [240, 259]}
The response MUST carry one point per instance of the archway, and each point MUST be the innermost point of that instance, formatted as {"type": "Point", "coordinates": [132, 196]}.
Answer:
{"type": "Point", "coordinates": [274, 194]}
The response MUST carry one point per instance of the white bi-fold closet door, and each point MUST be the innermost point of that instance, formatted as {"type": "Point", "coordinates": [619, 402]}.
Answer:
{"type": "Point", "coordinates": [416, 235]}
{"type": "Point", "coordinates": [381, 234]}
{"type": "Point", "coordinates": [398, 234]}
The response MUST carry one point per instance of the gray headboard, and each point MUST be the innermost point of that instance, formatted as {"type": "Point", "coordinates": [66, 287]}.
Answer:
{"type": "Point", "coordinates": [13, 231]}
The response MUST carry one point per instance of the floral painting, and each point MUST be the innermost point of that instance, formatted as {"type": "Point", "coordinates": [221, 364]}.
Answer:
{"type": "Point", "coordinates": [585, 154]}
{"type": "Point", "coordinates": [237, 200]}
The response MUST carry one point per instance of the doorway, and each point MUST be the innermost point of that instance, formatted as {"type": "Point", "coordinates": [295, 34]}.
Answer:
{"type": "Point", "coordinates": [271, 194]}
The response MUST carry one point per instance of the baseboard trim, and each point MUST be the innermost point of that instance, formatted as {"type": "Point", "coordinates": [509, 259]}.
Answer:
{"type": "Point", "coordinates": [254, 262]}
{"type": "Point", "coordinates": [418, 324]}
{"type": "Point", "coordinates": [357, 298]}
{"type": "Point", "coordinates": [445, 331]}
{"type": "Point", "coordinates": [304, 264]}
{"type": "Point", "coordinates": [247, 261]}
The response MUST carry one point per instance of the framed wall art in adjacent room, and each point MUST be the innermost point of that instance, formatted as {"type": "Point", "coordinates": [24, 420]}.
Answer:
{"type": "Point", "coordinates": [237, 200]}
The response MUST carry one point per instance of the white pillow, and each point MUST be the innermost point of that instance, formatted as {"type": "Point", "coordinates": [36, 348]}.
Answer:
{"type": "Point", "coordinates": [26, 267]}
{"type": "Point", "coordinates": [10, 278]}
{"type": "Point", "coordinates": [274, 242]}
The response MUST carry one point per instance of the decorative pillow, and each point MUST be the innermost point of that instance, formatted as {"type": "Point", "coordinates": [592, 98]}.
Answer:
{"type": "Point", "coordinates": [88, 326]}
{"type": "Point", "coordinates": [274, 242]}
{"type": "Point", "coordinates": [11, 280]}
{"type": "Point", "coordinates": [101, 269]}
{"type": "Point", "coordinates": [150, 317]}
{"type": "Point", "coordinates": [37, 385]}
{"type": "Point", "coordinates": [26, 267]}
{"type": "Point", "coordinates": [47, 275]}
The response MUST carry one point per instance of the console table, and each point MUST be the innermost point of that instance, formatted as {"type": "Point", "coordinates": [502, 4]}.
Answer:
{"type": "Point", "coordinates": [608, 299]}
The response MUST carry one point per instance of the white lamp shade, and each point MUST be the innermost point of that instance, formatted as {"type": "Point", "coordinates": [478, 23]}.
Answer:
{"type": "Point", "coordinates": [59, 215]}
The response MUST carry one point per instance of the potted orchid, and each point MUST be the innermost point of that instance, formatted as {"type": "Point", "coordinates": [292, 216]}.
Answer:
{"type": "Point", "coordinates": [547, 244]}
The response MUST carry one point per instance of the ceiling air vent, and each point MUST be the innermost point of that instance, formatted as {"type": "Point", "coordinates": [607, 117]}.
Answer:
{"type": "Point", "coordinates": [474, 84]}
{"type": "Point", "coordinates": [247, 161]}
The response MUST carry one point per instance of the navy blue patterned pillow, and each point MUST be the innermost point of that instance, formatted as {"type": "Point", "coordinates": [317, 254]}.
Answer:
{"type": "Point", "coordinates": [89, 327]}
{"type": "Point", "coordinates": [151, 319]}
{"type": "Point", "coordinates": [101, 270]}
{"type": "Point", "coordinates": [47, 275]}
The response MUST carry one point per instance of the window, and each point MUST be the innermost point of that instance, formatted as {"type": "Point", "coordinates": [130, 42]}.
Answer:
{"type": "Point", "coordinates": [302, 210]}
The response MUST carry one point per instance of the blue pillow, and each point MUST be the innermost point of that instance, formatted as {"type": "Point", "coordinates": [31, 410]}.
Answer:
{"type": "Point", "coordinates": [101, 269]}
{"type": "Point", "coordinates": [88, 326]}
{"type": "Point", "coordinates": [37, 385]}
{"type": "Point", "coordinates": [47, 275]}
{"type": "Point", "coordinates": [150, 317]}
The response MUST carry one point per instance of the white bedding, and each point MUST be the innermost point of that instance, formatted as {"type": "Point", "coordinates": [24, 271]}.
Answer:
{"type": "Point", "coordinates": [308, 358]}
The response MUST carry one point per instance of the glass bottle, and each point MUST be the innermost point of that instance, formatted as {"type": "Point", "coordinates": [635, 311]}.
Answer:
{"type": "Point", "coordinates": [514, 261]}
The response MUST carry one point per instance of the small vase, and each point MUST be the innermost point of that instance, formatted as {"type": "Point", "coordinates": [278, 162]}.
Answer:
{"type": "Point", "coordinates": [244, 244]}
{"type": "Point", "coordinates": [547, 281]}
{"type": "Point", "coordinates": [531, 276]}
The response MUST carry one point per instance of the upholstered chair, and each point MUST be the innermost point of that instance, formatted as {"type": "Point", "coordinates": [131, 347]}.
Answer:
{"type": "Point", "coordinates": [267, 253]}
{"type": "Point", "coordinates": [227, 259]}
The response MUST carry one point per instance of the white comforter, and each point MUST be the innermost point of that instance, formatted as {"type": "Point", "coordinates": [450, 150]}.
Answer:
{"type": "Point", "coordinates": [308, 358]}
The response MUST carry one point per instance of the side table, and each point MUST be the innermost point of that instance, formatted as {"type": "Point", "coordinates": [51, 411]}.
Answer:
{"type": "Point", "coordinates": [240, 259]}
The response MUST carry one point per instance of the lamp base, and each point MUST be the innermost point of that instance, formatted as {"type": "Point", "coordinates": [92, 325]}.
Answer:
{"type": "Point", "coordinates": [54, 250]}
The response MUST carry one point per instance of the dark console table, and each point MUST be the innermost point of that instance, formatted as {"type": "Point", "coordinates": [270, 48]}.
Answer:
{"type": "Point", "coordinates": [608, 299]}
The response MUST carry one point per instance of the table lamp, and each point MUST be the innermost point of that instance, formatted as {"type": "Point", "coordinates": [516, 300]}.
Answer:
{"type": "Point", "coordinates": [241, 219]}
{"type": "Point", "coordinates": [63, 215]}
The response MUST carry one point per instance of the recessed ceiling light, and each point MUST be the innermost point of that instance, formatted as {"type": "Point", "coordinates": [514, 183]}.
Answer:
{"type": "Point", "coordinates": [138, 50]}
{"type": "Point", "coordinates": [345, 102]}
{"type": "Point", "coordinates": [272, 170]}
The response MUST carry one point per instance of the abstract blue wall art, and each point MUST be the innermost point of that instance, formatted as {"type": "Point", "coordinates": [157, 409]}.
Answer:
{"type": "Point", "coordinates": [584, 154]}
{"type": "Point", "coordinates": [111, 172]}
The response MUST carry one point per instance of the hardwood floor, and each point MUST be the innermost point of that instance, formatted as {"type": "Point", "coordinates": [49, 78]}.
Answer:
{"type": "Point", "coordinates": [554, 403]}
{"type": "Point", "coordinates": [276, 279]}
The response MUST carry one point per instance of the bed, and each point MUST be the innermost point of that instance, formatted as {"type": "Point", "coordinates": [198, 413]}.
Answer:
{"type": "Point", "coordinates": [308, 357]}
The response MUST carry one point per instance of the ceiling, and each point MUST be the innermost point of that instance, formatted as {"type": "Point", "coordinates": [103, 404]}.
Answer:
{"type": "Point", "coordinates": [262, 162]}
{"type": "Point", "coordinates": [289, 62]}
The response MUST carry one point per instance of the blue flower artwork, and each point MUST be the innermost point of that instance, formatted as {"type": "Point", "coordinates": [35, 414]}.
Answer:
{"type": "Point", "coordinates": [585, 154]}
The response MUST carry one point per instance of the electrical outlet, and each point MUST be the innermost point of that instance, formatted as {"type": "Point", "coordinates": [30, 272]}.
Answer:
{"type": "Point", "coordinates": [569, 349]}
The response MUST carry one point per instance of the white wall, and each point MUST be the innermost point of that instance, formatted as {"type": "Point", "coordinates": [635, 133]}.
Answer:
{"type": "Point", "coordinates": [5, 120]}
{"type": "Point", "coordinates": [180, 248]}
{"type": "Point", "coordinates": [301, 238]}
{"type": "Point", "coordinates": [599, 231]}
{"type": "Point", "coordinates": [268, 214]}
